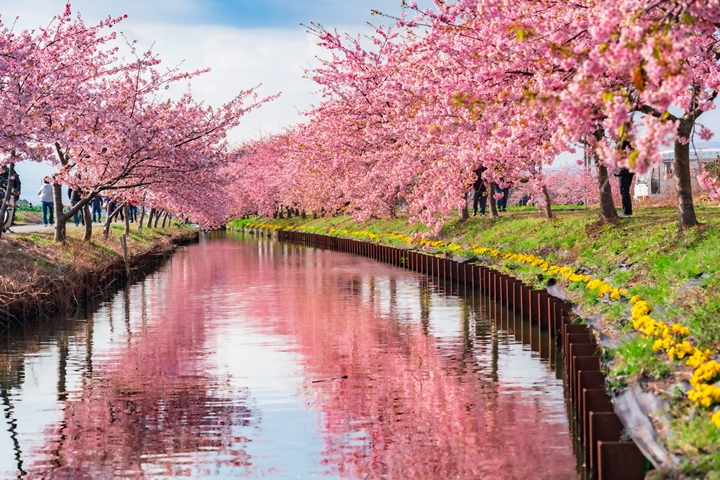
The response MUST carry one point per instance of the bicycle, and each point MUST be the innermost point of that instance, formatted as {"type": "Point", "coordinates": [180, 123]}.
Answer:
{"type": "Point", "coordinates": [9, 215]}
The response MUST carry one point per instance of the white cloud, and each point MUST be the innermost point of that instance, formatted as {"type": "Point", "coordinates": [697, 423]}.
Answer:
{"type": "Point", "coordinates": [240, 59]}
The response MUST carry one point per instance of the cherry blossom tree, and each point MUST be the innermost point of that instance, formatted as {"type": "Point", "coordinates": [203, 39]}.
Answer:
{"type": "Point", "coordinates": [44, 71]}
{"type": "Point", "coordinates": [666, 53]}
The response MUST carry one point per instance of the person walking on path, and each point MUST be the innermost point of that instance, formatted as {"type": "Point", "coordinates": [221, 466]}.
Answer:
{"type": "Point", "coordinates": [625, 178]}
{"type": "Point", "coordinates": [45, 193]}
{"type": "Point", "coordinates": [96, 205]}
{"type": "Point", "coordinates": [479, 193]}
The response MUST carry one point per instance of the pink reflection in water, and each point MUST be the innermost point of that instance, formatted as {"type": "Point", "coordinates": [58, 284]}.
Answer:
{"type": "Point", "coordinates": [417, 403]}
{"type": "Point", "coordinates": [405, 410]}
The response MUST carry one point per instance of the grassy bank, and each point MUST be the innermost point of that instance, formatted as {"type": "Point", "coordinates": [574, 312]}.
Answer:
{"type": "Point", "coordinates": [654, 291]}
{"type": "Point", "coordinates": [39, 276]}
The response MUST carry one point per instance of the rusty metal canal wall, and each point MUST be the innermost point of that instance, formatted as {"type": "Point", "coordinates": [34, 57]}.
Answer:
{"type": "Point", "coordinates": [608, 455]}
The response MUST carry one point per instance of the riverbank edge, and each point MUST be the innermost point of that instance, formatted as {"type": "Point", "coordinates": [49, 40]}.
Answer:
{"type": "Point", "coordinates": [642, 407]}
{"type": "Point", "coordinates": [73, 284]}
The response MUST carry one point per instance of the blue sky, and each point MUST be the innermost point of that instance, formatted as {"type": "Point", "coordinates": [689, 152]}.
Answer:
{"type": "Point", "coordinates": [279, 14]}
{"type": "Point", "coordinates": [245, 14]}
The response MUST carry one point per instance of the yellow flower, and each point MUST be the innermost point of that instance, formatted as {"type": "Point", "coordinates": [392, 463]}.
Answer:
{"type": "Point", "coordinates": [716, 418]}
{"type": "Point", "coordinates": [698, 358]}
{"type": "Point", "coordinates": [640, 308]}
{"type": "Point", "coordinates": [681, 350]}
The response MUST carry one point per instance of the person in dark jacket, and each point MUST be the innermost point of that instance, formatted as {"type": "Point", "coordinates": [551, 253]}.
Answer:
{"type": "Point", "coordinates": [502, 201]}
{"type": "Point", "coordinates": [479, 193]}
{"type": "Point", "coordinates": [96, 206]}
{"type": "Point", "coordinates": [625, 178]}
{"type": "Point", "coordinates": [75, 196]}
{"type": "Point", "coordinates": [112, 205]}
{"type": "Point", "coordinates": [6, 222]}
{"type": "Point", "coordinates": [16, 185]}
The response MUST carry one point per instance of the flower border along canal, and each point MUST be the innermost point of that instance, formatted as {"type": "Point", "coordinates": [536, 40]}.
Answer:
{"type": "Point", "coordinates": [670, 341]}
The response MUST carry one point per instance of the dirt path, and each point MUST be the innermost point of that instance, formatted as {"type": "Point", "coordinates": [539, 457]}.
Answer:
{"type": "Point", "coordinates": [39, 227]}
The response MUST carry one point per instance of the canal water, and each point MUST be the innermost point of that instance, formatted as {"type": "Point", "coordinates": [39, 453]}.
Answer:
{"type": "Point", "coordinates": [245, 357]}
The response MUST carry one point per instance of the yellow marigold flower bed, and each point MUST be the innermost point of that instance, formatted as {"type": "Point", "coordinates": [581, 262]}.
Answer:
{"type": "Point", "coordinates": [673, 341]}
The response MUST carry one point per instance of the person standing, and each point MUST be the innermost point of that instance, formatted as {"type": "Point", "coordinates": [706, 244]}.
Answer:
{"type": "Point", "coordinates": [45, 193]}
{"type": "Point", "coordinates": [112, 205]}
{"type": "Point", "coordinates": [132, 212]}
{"type": "Point", "coordinates": [479, 193]}
{"type": "Point", "coordinates": [505, 191]}
{"type": "Point", "coordinates": [625, 178]}
{"type": "Point", "coordinates": [75, 196]}
{"type": "Point", "coordinates": [96, 204]}
{"type": "Point", "coordinates": [13, 182]}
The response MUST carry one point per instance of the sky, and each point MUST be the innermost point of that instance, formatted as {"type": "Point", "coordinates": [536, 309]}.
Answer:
{"type": "Point", "coordinates": [245, 43]}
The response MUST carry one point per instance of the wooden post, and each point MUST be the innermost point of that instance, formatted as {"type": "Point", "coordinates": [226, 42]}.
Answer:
{"type": "Point", "coordinates": [123, 244]}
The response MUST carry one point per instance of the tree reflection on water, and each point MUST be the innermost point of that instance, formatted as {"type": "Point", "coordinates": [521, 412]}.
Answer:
{"type": "Point", "coordinates": [439, 385]}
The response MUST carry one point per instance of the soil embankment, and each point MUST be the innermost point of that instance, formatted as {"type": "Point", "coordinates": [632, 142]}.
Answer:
{"type": "Point", "coordinates": [39, 277]}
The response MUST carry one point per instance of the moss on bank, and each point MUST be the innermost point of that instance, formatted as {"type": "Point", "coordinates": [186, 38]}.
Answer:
{"type": "Point", "coordinates": [39, 276]}
{"type": "Point", "coordinates": [677, 273]}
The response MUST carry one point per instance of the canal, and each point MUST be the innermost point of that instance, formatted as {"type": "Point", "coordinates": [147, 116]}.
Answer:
{"type": "Point", "coordinates": [243, 356]}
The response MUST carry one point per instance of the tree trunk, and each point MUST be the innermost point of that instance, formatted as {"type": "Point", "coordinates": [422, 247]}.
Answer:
{"type": "Point", "coordinates": [142, 218]}
{"type": "Point", "coordinates": [6, 197]}
{"type": "Point", "coordinates": [88, 223]}
{"type": "Point", "coordinates": [463, 209]}
{"type": "Point", "coordinates": [303, 215]}
{"type": "Point", "coordinates": [493, 204]}
{"type": "Point", "coordinates": [548, 203]}
{"type": "Point", "coordinates": [108, 220]}
{"type": "Point", "coordinates": [157, 218]}
{"type": "Point", "coordinates": [608, 214]}
{"type": "Point", "coordinates": [164, 219]}
{"type": "Point", "coordinates": [106, 227]}
{"type": "Point", "coordinates": [60, 219]}
{"type": "Point", "coordinates": [683, 186]}
{"type": "Point", "coordinates": [126, 211]}
{"type": "Point", "coordinates": [150, 218]}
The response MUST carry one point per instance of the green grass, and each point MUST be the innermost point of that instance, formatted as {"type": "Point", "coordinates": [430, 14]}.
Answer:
{"type": "Point", "coordinates": [34, 208]}
{"type": "Point", "coordinates": [698, 441]}
{"type": "Point", "coordinates": [39, 239]}
{"type": "Point", "coordinates": [635, 358]}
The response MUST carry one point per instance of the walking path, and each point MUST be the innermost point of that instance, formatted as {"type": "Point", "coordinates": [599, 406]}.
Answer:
{"type": "Point", "coordinates": [39, 227]}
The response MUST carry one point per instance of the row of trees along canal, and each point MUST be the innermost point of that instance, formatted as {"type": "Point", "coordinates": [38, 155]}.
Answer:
{"type": "Point", "coordinates": [69, 97]}
{"type": "Point", "coordinates": [409, 113]}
